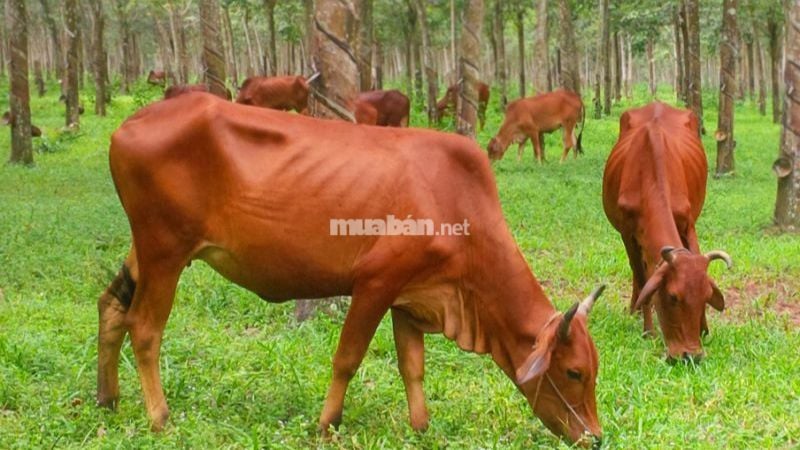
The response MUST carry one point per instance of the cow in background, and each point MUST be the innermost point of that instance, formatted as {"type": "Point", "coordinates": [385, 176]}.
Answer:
{"type": "Point", "coordinates": [179, 89]}
{"type": "Point", "coordinates": [157, 77]}
{"type": "Point", "coordinates": [285, 93]}
{"type": "Point", "coordinates": [447, 105]}
{"type": "Point", "coordinates": [654, 187]}
{"type": "Point", "coordinates": [383, 108]}
{"type": "Point", "coordinates": [532, 117]}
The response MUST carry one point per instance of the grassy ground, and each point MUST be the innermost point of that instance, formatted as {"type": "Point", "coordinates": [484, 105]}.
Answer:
{"type": "Point", "coordinates": [239, 372]}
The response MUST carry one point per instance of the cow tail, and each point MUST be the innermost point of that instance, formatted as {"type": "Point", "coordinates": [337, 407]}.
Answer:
{"type": "Point", "coordinates": [578, 145]}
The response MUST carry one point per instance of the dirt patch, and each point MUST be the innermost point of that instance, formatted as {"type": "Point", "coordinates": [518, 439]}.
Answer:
{"type": "Point", "coordinates": [755, 298]}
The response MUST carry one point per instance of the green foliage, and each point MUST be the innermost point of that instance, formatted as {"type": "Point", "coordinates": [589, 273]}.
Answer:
{"type": "Point", "coordinates": [238, 372]}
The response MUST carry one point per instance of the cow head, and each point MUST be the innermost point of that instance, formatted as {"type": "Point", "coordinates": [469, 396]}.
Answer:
{"type": "Point", "coordinates": [496, 149]}
{"type": "Point", "coordinates": [683, 288]}
{"type": "Point", "coordinates": [558, 377]}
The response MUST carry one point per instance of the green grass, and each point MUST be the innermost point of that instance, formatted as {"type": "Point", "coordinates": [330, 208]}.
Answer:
{"type": "Point", "coordinates": [238, 372]}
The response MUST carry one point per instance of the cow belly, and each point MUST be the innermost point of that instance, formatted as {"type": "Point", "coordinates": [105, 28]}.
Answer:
{"type": "Point", "coordinates": [258, 270]}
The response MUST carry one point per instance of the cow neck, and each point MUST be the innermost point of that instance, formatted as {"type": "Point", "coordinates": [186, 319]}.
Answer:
{"type": "Point", "coordinates": [515, 308]}
{"type": "Point", "coordinates": [658, 230]}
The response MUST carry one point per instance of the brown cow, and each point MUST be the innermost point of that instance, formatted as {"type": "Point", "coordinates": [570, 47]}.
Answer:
{"type": "Point", "coordinates": [285, 93]}
{"type": "Point", "coordinates": [532, 117]}
{"type": "Point", "coordinates": [179, 89]}
{"type": "Point", "coordinates": [200, 178]}
{"type": "Point", "coordinates": [447, 105]}
{"type": "Point", "coordinates": [157, 77]}
{"type": "Point", "coordinates": [9, 120]}
{"type": "Point", "coordinates": [653, 192]}
{"type": "Point", "coordinates": [382, 108]}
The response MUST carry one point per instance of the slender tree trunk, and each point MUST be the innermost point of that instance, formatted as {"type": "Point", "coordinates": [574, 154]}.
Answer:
{"type": "Point", "coordinates": [165, 50]}
{"type": "Point", "coordinates": [231, 60]}
{"type": "Point", "coordinates": [269, 5]}
{"type": "Point", "coordinates": [520, 26]}
{"type": "Point", "coordinates": [617, 67]}
{"type": "Point", "coordinates": [762, 79]}
{"type": "Point", "coordinates": [570, 76]}
{"type": "Point", "coordinates": [540, 49]}
{"type": "Point", "coordinates": [364, 44]}
{"type": "Point", "coordinates": [694, 73]}
{"type": "Point", "coordinates": [651, 68]}
{"type": "Point", "coordinates": [787, 166]}
{"type": "Point", "coordinates": [728, 51]}
{"type": "Point", "coordinates": [71, 28]}
{"type": "Point", "coordinates": [605, 50]}
{"type": "Point", "coordinates": [99, 60]}
{"type": "Point", "coordinates": [127, 45]}
{"type": "Point", "coordinates": [19, 93]}
{"type": "Point", "coordinates": [500, 37]}
{"type": "Point", "coordinates": [38, 78]}
{"type": "Point", "coordinates": [379, 56]}
{"type": "Point", "coordinates": [427, 51]}
{"type": "Point", "coordinates": [213, 54]}
{"type": "Point", "coordinates": [182, 48]}
{"type": "Point", "coordinates": [453, 56]}
{"type": "Point", "coordinates": [54, 37]}
{"type": "Point", "coordinates": [679, 59]}
{"type": "Point", "coordinates": [774, 34]}
{"type": "Point", "coordinates": [252, 64]}
{"type": "Point", "coordinates": [416, 53]}
{"type": "Point", "coordinates": [686, 96]}
{"type": "Point", "coordinates": [751, 78]}
{"type": "Point", "coordinates": [469, 64]}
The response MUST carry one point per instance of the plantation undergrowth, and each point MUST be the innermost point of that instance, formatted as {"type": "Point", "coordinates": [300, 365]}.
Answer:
{"type": "Point", "coordinates": [239, 372]}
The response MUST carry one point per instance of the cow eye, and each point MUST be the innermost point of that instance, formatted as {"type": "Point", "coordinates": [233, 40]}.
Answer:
{"type": "Point", "coordinates": [574, 374]}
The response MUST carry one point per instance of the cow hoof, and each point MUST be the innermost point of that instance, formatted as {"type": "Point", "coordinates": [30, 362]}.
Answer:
{"type": "Point", "coordinates": [159, 421]}
{"type": "Point", "coordinates": [108, 402]}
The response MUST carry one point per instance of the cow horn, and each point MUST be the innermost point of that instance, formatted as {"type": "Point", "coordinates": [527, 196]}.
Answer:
{"type": "Point", "coordinates": [719, 254]}
{"type": "Point", "coordinates": [563, 327]}
{"type": "Point", "coordinates": [666, 254]}
{"type": "Point", "coordinates": [586, 305]}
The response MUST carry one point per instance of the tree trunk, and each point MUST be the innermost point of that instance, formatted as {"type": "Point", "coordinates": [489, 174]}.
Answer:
{"type": "Point", "coordinates": [520, 25]}
{"type": "Point", "coordinates": [378, 64]}
{"type": "Point", "coordinates": [617, 67]}
{"type": "Point", "coordinates": [679, 59]}
{"type": "Point", "coordinates": [787, 167]}
{"type": "Point", "coordinates": [165, 51]}
{"type": "Point", "coordinates": [269, 5]}
{"type": "Point", "coordinates": [694, 73]}
{"type": "Point", "coordinates": [427, 51]}
{"type": "Point", "coordinates": [19, 93]}
{"type": "Point", "coordinates": [685, 53]}
{"type": "Point", "coordinates": [605, 50]}
{"type": "Point", "coordinates": [453, 56]}
{"type": "Point", "coordinates": [231, 59]}
{"type": "Point", "coordinates": [99, 58]}
{"type": "Point", "coordinates": [774, 34]}
{"type": "Point", "coordinates": [54, 37]}
{"type": "Point", "coordinates": [540, 49]}
{"type": "Point", "coordinates": [500, 37]}
{"type": "Point", "coordinates": [751, 78]}
{"type": "Point", "coordinates": [71, 28]}
{"type": "Point", "coordinates": [38, 78]}
{"type": "Point", "coordinates": [651, 68]}
{"type": "Point", "coordinates": [762, 79]}
{"type": "Point", "coordinates": [252, 64]}
{"type": "Point", "coordinates": [469, 64]}
{"type": "Point", "coordinates": [213, 55]}
{"type": "Point", "coordinates": [570, 77]}
{"type": "Point", "coordinates": [728, 51]}
{"type": "Point", "coordinates": [364, 44]}
{"type": "Point", "coordinates": [125, 35]}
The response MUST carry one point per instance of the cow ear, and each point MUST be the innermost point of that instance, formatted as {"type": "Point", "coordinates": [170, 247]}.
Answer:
{"type": "Point", "coordinates": [650, 287]}
{"type": "Point", "coordinates": [538, 361]}
{"type": "Point", "coordinates": [717, 300]}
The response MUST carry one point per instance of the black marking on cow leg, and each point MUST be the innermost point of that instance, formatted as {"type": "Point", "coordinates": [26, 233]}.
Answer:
{"type": "Point", "coordinates": [123, 287]}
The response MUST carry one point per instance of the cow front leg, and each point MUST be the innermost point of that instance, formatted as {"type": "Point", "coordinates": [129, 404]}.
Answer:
{"type": "Point", "coordinates": [568, 139]}
{"type": "Point", "coordinates": [537, 147]}
{"type": "Point", "coordinates": [146, 320]}
{"type": "Point", "coordinates": [111, 307]}
{"type": "Point", "coordinates": [410, 344]}
{"type": "Point", "coordinates": [365, 313]}
{"type": "Point", "coordinates": [521, 148]}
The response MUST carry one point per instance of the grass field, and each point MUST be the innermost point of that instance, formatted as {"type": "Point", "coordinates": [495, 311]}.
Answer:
{"type": "Point", "coordinates": [239, 372]}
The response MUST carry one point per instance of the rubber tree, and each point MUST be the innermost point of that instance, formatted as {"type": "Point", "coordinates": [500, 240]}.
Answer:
{"type": "Point", "coordinates": [19, 93]}
{"type": "Point", "coordinates": [728, 51]}
{"type": "Point", "coordinates": [213, 54]}
{"type": "Point", "coordinates": [72, 73]}
{"type": "Point", "coordinates": [570, 75]}
{"type": "Point", "coordinates": [541, 54]}
{"type": "Point", "coordinates": [469, 68]}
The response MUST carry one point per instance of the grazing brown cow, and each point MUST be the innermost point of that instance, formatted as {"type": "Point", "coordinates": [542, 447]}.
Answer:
{"type": "Point", "coordinates": [261, 196]}
{"type": "Point", "coordinates": [653, 192]}
{"type": "Point", "coordinates": [179, 89]}
{"type": "Point", "coordinates": [532, 117]}
{"type": "Point", "coordinates": [285, 93]}
{"type": "Point", "coordinates": [157, 77]}
{"type": "Point", "coordinates": [447, 105]}
{"type": "Point", "coordinates": [382, 108]}
{"type": "Point", "coordinates": [8, 119]}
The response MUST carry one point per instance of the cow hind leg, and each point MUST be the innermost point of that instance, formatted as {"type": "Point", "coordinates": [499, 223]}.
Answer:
{"type": "Point", "coordinates": [538, 152]}
{"type": "Point", "coordinates": [146, 320]}
{"type": "Point", "coordinates": [569, 141]}
{"type": "Point", "coordinates": [521, 148]}
{"type": "Point", "coordinates": [410, 345]}
{"type": "Point", "coordinates": [370, 303]}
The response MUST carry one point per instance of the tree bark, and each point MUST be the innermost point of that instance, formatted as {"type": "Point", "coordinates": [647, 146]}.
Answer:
{"type": "Point", "coordinates": [685, 53]}
{"type": "Point", "coordinates": [469, 71]}
{"type": "Point", "coordinates": [728, 51]}
{"type": "Point", "coordinates": [500, 37]}
{"type": "Point", "coordinates": [213, 54]}
{"type": "Point", "coordinates": [617, 67]}
{"type": "Point", "coordinates": [427, 51]}
{"type": "Point", "coordinates": [774, 34]}
{"type": "Point", "coordinates": [127, 44]}
{"type": "Point", "coordinates": [520, 25]}
{"type": "Point", "coordinates": [99, 58]}
{"type": "Point", "coordinates": [378, 64]}
{"type": "Point", "coordinates": [19, 92]}
{"type": "Point", "coordinates": [605, 50]}
{"type": "Point", "coordinates": [38, 78]}
{"type": "Point", "coordinates": [787, 167]}
{"type": "Point", "coordinates": [540, 50]}
{"type": "Point", "coordinates": [232, 67]}
{"type": "Point", "coordinates": [570, 77]}
{"type": "Point", "coordinates": [694, 73]}
{"type": "Point", "coordinates": [269, 5]}
{"type": "Point", "coordinates": [54, 37]}
{"type": "Point", "coordinates": [71, 28]}
{"type": "Point", "coordinates": [364, 44]}
{"type": "Point", "coordinates": [679, 59]}
{"type": "Point", "coordinates": [651, 68]}
{"type": "Point", "coordinates": [762, 83]}
{"type": "Point", "coordinates": [751, 78]}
